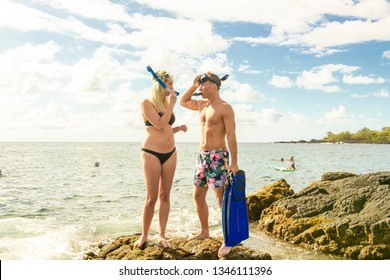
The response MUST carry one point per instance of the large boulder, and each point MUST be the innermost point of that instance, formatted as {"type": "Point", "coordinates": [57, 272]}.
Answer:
{"type": "Point", "coordinates": [343, 214]}
{"type": "Point", "coordinates": [122, 249]}
{"type": "Point", "coordinates": [263, 199]}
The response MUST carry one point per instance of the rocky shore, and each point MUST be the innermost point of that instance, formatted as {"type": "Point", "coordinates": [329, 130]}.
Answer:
{"type": "Point", "coordinates": [344, 214]}
{"type": "Point", "coordinates": [122, 249]}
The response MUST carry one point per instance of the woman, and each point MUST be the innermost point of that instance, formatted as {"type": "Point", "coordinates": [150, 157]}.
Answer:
{"type": "Point", "coordinates": [158, 154]}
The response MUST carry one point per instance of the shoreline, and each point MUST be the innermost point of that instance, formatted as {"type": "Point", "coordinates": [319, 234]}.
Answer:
{"type": "Point", "coordinates": [329, 142]}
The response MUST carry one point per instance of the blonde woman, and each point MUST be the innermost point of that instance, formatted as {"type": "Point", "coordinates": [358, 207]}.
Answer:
{"type": "Point", "coordinates": [158, 154]}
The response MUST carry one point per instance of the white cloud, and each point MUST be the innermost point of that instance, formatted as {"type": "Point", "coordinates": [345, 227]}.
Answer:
{"type": "Point", "coordinates": [336, 34]}
{"type": "Point", "coordinates": [246, 114]}
{"type": "Point", "coordinates": [179, 35]}
{"type": "Point", "coordinates": [93, 9]}
{"type": "Point", "coordinates": [240, 92]}
{"type": "Point", "coordinates": [144, 31]}
{"type": "Point", "coordinates": [23, 18]}
{"type": "Point", "coordinates": [269, 124]}
{"type": "Point", "coordinates": [218, 62]}
{"type": "Point", "coordinates": [308, 26]}
{"type": "Point", "coordinates": [350, 79]}
{"type": "Point", "coordinates": [281, 81]}
{"type": "Point", "coordinates": [245, 68]}
{"type": "Point", "coordinates": [33, 69]}
{"type": "Point", "coordinates": [354, 95]}
{"type": "Point", "coordinates": [326, 78]}
{"type": "Point", "coordinates": [30, 69]}
{"type": "Point", "coordinates": [301, 15]}
{"type": "Point", "coordinates": [337, 116]}
{"type": "Point", "coordinates": [96, 74]}
{"type": "Point", "coordinates": [384, 93]}
{"type": "Point", "coordinates": [310, 29]}
{"type": "Point", "coordinates": [321, 78]}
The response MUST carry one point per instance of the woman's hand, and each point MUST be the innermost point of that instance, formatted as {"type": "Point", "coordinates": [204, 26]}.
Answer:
{"type": "Point", "coordinates": [183, 128]}
{"type": "Point", "coordinates": [172, 96]}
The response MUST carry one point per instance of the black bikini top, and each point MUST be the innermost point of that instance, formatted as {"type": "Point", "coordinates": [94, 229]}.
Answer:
{"type": "Point", "coordinates": [171, 120]}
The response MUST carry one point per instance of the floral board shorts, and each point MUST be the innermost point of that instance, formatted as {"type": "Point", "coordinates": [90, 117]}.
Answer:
{"type": "Point", "coordinates": [212, 168]}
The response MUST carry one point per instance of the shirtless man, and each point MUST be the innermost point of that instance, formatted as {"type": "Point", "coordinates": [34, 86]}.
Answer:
{"type": "Point", "coordinates": [217, 126]}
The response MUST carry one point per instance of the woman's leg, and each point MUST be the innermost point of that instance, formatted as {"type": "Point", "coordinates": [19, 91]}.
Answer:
{"type": "Point", "coordinates": [167, 174]}
{"type": "Point", "coordinates": [151, 169]}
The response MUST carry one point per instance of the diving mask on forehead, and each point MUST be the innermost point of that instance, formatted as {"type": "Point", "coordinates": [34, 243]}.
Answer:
{"type": "Point", "coordinates": [205, 78]}
{"type": "Point", "coordinates": [166, 77]}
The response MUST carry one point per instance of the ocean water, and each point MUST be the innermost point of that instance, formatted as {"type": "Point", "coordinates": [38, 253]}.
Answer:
{"type": "Point", "coordinates": [55, 204]}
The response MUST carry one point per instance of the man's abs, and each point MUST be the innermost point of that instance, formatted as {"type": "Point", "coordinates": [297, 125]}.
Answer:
{"type": "Point", "coordinates": [212, 140]}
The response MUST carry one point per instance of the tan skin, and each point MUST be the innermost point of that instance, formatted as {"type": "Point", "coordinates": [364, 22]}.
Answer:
{"type": "Point", "coordinates": [158, 178]}
{"type": "Point", "coordinates": [217, 129]}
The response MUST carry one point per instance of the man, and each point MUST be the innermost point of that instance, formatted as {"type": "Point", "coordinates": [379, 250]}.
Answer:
{"type": "Point", "coordinates": [217, 126]}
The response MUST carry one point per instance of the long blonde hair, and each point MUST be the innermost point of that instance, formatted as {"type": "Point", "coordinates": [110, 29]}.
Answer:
{"type": "Point", "coordinates": [157, 94]}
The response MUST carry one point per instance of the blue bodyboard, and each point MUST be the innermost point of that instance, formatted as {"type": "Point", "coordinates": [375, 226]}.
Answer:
{"type": "Point", "coordinates": [235, 225]}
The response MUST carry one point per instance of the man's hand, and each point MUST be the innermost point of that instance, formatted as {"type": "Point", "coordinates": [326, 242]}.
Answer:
{"type": "Point", "coordinates": [233, 168]}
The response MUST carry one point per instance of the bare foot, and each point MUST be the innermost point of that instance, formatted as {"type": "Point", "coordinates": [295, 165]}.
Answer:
{"type": "Point", "coordinates": [224, 250]}
{"type": "Point", "coordinates": [140, 242]}
{"type": "Point", "coordinates": [164, 242]}
{"type": "Point", "coordinates": [199, 236]}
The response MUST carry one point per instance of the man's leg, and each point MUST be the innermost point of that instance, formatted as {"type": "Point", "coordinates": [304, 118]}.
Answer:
{"type": "Point", "coordinates": [224, 250]}
{"type": "Point", "coordinates": [219, 195]}
{"type": "Point", "coordinates": [203, 212]}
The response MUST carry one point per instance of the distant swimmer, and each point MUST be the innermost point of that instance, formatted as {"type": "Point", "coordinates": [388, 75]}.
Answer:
{"type": "Point", "coordinates": [282, 159]}
{"type": "Point", "coordinates": [97, 164]}
{"type": "Point", "coordinates": [286, 169]}
{"type": "Point", "coordinates": [292, 158]}
{"type": "Point", "coordinates": [3, 175]}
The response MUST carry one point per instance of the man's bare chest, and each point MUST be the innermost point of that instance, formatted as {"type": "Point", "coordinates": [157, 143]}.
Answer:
{"type": "Point", "coordinates": [210, 116]}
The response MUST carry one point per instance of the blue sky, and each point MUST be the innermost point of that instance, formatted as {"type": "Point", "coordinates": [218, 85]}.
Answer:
{"type": "Point", "coordinates": [76, 70]}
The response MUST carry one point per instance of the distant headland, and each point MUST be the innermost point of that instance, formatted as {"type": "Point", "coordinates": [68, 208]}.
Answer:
{"type": "Point", "coordinates": [363, 136]}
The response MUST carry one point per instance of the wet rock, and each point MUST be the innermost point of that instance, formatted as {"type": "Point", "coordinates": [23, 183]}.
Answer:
{"type": "Point", "coordinates": [261, 200]}
{"type": "Point", "coordinates": [333, 176]}
{"type": "Point", "coordinates": [344, 214]}
{"type": "Point", "coordinates": [122, 249]}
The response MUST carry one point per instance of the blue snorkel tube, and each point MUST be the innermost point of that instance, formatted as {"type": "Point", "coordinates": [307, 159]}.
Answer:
{"type": "Point", "coordinates": [158, 79]}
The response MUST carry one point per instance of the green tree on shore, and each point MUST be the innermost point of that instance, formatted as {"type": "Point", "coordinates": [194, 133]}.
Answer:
{"type": "Point", "coordinates": [364, 135]}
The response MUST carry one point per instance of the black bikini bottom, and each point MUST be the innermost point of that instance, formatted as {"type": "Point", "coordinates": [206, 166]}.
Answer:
{"type": "Point", "coordinates": [162, 157]}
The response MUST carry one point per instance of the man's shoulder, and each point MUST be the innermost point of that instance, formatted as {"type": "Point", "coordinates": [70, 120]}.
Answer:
{"type": "Point", "coordinates": [201, 104]}
{"type": "Point", "coordinates": [225, 103]}
{"type": "Point", "coordinates": [225, 106]}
